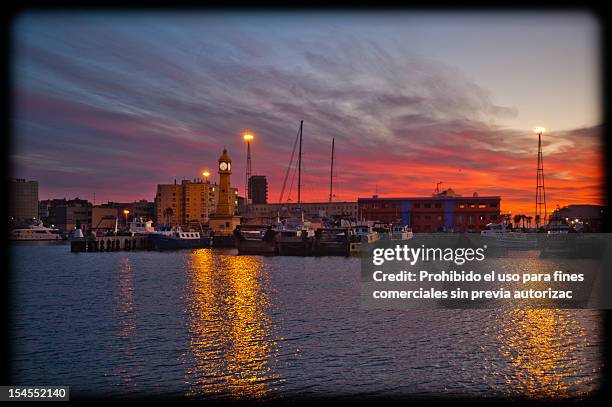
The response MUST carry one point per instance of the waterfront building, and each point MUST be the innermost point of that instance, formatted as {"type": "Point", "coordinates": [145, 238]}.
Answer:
{"type": "Point", "coordinates": [103, 217]}
{"type": "Point", "coordinates": [137, 209]}
{"type": "Point", "coordinates": [224, 220]}
{"type": "Point", "coordinates": [445, 211]}
{"type": "Point", "coordinates": [311, 209]}
{"type": "Point", "coordinates": [23, 199]}
{"type": "Point", "coordinates": [189, 203]}
{"type": "Point", "coordinates": [65, 214]}
{"type": "Point", "coordinates": [258, 189]}
{"type": "Point", "coordinates": [587, 218]}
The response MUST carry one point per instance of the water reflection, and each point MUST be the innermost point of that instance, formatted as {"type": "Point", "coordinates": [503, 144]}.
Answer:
{"type": "Point", "coordinates": [231, 338]}
{"type": "Point", "coordinates": [547, 351]}
{"type": "Point", "coordinates": [126, 369]}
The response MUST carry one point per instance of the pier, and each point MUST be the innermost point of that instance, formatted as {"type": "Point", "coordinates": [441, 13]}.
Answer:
{"type": "Point", "coordinates": [110, 243]}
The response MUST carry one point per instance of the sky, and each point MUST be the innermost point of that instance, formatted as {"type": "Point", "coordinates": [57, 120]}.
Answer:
{"type": "Point", "coordinates": [116, 103]}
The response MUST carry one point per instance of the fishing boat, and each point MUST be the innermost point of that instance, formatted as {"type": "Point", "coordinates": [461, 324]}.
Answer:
{"type": "Point", "coordinates": [400, 232]}
{"type": "Point", "coordinates": [331, 242]}
{"type": "Point", "coordinates": [362, 236]}
{"type": "Point", "coordinates": [255, 240]}
{"type": "Point", "coordinates": [35, 232]}
{"type": "Point", "coordinates": [140, 226]}
{"type": "Point", "coordinates": [294, 237]}
{"type": "Point", "coordinates": [175, 238]}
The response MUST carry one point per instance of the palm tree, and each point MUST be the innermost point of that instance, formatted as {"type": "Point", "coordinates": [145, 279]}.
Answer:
{"type": "Point", "coordinates": [517, 220]}
{"type": "Point", "coordinates": [529, 219]}
{"type": "Point", "coordinates": [537, 220]}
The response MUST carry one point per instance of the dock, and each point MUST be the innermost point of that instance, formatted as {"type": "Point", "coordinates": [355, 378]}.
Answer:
{"type": "Point", "coordinates": [109, 243]}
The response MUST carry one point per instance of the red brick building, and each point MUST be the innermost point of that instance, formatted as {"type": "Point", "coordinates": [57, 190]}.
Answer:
{"type": "Point", "coordinates": [446, 211]}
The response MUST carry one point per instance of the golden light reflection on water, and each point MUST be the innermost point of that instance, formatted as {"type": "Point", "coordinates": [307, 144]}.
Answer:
{"type": "Point", "coordinates": [546, 349]}
{"type": "Point", "coordinates": [230, 327]}
{"type": "Point", "coordinates": [127, 323]}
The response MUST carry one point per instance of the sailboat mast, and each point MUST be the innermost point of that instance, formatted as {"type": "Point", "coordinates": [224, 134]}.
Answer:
{"type": "Point", "coordinates": [331, 174]}
{"type": "Point", "coordinates": [300, 167]}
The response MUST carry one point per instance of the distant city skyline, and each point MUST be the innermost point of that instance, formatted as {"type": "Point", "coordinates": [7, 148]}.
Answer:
{"type": "Point", "coordinates": [116, 103]}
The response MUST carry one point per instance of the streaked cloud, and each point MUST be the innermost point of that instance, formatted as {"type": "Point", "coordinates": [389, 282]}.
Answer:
{"type": "Point", "coordinates": [115, 106]}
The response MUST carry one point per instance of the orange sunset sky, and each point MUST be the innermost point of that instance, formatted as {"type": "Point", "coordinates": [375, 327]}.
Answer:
{"type": "Point", "coordinates": [114, 105]}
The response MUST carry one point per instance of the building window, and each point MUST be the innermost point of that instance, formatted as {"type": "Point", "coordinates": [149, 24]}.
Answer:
{"type": "Point", "coordinates": [427, 217]}
{"type": "Point", "coordinates": [438, 205]}
{"type": "Point", "coordinates": [493, 204]}
{"type": "Point", "coordinates": [461, 206]}
{"type": "Point", "coordinates": [482, 205]}
{"type": "Point", "coordinates": [427, 205]}
{"type": "Point", "coordinates": [417, 205]}
{"type": "Point", "coordinates": [471, 205]}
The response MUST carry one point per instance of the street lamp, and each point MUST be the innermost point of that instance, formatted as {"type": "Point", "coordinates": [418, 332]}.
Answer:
{"type": "Point", "coordinates": [206, 174]}
{"type": "Point", "coordinates": [539, 130]}
{"type": "Point", "coordinates": [126, 213]}
{"type": "Point", "coordinates": [248, 137]}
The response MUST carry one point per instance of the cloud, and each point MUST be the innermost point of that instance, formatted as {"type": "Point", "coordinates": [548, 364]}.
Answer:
{"type": "Point", "coordinates": [121, 109]}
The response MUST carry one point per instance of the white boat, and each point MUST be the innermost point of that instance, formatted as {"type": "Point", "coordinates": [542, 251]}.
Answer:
{"type": "Point", "coordinates": [400, 232]}
{"type": "Point", "coordinates": [140, 226]}
{"type": "Point", "coordinates": [363, 234]}
{"type": "Point", "coordinates": [175, 238]}
{"type": "Point", "coordinates": [498, 235]}
{"type": "Point", "coordinates": [35, 232]}
{"type": "Point", "coordinates": [557, 227]}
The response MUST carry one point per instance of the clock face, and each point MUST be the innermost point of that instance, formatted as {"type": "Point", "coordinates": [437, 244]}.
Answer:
{"type": "Point", "coordinates": [223, 166]}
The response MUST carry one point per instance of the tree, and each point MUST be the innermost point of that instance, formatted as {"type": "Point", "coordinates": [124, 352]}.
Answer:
{"type": "Point", "coordinates": [517, 220]}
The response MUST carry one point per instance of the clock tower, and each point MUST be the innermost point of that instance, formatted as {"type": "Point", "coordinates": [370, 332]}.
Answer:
{"type": "Point", "coordinates": [224, 205]}
{"type": "Point", "coordinates": [223, 222]}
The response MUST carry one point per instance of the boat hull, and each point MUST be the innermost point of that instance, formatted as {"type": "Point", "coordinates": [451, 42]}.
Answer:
{"type": "Point", "coordinates": [224, 242]}
{"type": "Point", "coordinates": [256, 247]}
{"type": "Point", "coordinates": [37, 239]}
{"type": "Point", "coordinates": [161, 242]}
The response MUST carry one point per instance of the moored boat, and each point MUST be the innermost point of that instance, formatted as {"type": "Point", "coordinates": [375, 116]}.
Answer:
{"type": "Point", "coordinates": [255, 240]}
{"type": "Point", "coordinates": [294, 237]}
{"type": "Point", "coordinates": [331, 242]}
{"type": "Point", "coordinates": [496, 235]}
{"type": "Point", "coordinates": [35, 232]}
{"type": "Point", "coordinates": [175, 238]}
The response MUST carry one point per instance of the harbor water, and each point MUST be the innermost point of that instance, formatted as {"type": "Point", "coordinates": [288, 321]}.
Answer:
{"type": "Point", "coordinates": [207, 323]}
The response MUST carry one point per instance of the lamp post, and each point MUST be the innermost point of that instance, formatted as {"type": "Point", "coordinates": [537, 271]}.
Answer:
{"type": "Point", "coordinates": [126, 213]}
{"type": "Point", "coordinates": [248, 137]}
{"type": "Point", "coordinates": [540, 190]}
{"type": "Point", "coordinates": [206, 174]}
